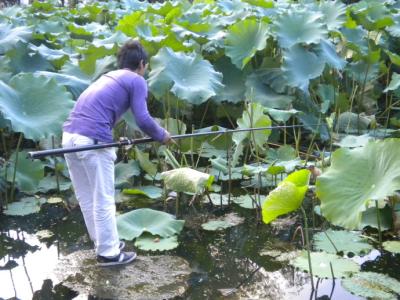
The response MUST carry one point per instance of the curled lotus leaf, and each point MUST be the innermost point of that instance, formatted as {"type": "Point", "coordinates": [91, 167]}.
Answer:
{"type": "Point", "coordinates": [356, 178]}
{"type": "Point", "coordinates": [187, 180]}
{"type": "Point", "coordinates": [287, 196]}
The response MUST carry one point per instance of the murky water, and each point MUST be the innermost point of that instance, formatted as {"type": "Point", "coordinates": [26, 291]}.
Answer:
{"type": "Point", "coordinates": [220, 261]}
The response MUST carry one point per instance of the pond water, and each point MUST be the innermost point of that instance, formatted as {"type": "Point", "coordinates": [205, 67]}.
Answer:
{"type": "Point", "coordinates": [220, 260]}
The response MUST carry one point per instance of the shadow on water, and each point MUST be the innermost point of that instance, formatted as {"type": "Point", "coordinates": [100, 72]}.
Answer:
{"type": "Point", "coordinates": [226, 265]}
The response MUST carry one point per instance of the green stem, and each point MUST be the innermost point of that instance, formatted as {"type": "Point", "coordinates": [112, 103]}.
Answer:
{"type": "Point", "coordinates": [55, 167]}
{"type": "Point", "coordinates": [378, 218]}
{"type": "Point", "coordinates": [15, 168]}
{"type": "Point", "coordinates": [308, 246]}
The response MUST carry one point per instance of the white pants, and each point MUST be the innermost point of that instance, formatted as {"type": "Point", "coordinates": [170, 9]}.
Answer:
{"type": "Point", "coordinates": [92, 176]}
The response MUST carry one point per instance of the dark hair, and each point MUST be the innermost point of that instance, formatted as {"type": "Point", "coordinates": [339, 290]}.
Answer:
{"type": "Point", "coordinates": [130, 55]}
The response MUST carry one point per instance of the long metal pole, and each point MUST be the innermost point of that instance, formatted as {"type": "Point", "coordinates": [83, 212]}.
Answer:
{"type": "Point", "coordinates": [60, 151]}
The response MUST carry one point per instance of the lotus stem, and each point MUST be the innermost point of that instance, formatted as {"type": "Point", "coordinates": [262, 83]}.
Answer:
{"type": "Point", "coordinates": [378, 219]}
{"type": "Point", "coordinates": [55, 166]}
{"type": "Point", "coordinates": [308, 246]}
{"type": "Point", "coordinates": [15, 167]}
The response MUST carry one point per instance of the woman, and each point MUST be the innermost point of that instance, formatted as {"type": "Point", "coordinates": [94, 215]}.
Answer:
{"type": "Point", "coordinates": [91, 121]}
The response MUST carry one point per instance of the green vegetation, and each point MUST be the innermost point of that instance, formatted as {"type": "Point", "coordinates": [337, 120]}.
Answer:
{"type": "Point", "coordinates": [330, 67]}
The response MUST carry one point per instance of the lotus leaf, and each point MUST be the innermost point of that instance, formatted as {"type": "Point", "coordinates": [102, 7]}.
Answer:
{"type": "Point", "coordinates": [187, 180]}
{"type": "Point", "coordinates": [300, 66]}
{"type": "Point", "coordinates": [350, 122]}
{"type": "Point", "coordinates": [394, 83]}
{"type": "Point", "coordinates": [28, 172]}
{"type": "Point", "coordinates": [145, 162]}
{"type": "Point", "coordinates": [246, 201]}
{"type": "Point", "coordinates": [132, 224]}
{"type": "Point", "coordinates": [333, 14]}
{"type": "Point", "coordinates": [10, 36]}
{"type": "Point", "coordinates": [363, 175]}
{"type": "Point", "coordinates": [395, 28]}
{"type": "Point", "coordinates": [217, 199]}
{"type": "Point", "coordinates": [372, 285]}
{"type": "Point", "coordinates": [253, 117]}
{"type": "Point", "coordinates": [353, 141]}
{"type": "Point", "coordinates": [392, 246]}
{"type": "Point", "coordinates": [321, 264]}
{"type": "Point", "coordinates": [151, 192]}
{"type": "Point", "coordinates": [287, 196]}
{"type": "Point", "coordinates": [327, 52]}
{"type": "Point", "coordinates": [124, 172]}
{"type": "Point", "coordinates": [154, 243]}
{"type": "Point", "coordinates": [25, 206]}
{"type": "Point", "coordinates": [188, 76]}
{"type": "Point", "coordinates": [31, 107]}
{"type": "Point", "coordinates": [49, 183]}
{"type": "Point", "coordinates": [281, 115]}
{"type": "Point", "coordinates": [221, 223]}
{"type": "Point", "coordinates": [345, 241]}
{"type": "Point", "coordinates": [299, 26]}
{"type": "Point", "coordinates": [244, 39]}
{"type": "Point", "coordinates": [233, 81]}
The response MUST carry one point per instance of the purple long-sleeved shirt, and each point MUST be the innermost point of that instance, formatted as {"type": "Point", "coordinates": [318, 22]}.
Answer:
{"type": "Point", "coordinates": [100, 106]}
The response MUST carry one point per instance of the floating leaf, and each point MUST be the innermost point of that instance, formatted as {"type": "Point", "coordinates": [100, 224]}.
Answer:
{"type": "Point", "coordinates": [217, 199]}
{"type": "Point", "coordinates": [246, 201]}
{"type": "Point", "coordinates": [287, 196]}
{"type": "Point", "coordinates": [343, 241]}
{"type": "Point", "coordinates": [321, 264]}
{"type": "Point", "coordinates": [355, 178]}
{"type": "Point", "coordinates": [372, 285]}
{"type": "Point", "coordinates": [149, 191]}
{"type": "Point", "coordinates": [154, 243]}
{"type": "Point", "coordinates": [392, 246]}
{"type": "Point", "coordinates": [25, 206]}
{"type": "Point", "coordinates": [187, 180]}
{"type": "Point", "coordinates": [221, 223]}
{"type": "Point", "coordinates": [132, 224]}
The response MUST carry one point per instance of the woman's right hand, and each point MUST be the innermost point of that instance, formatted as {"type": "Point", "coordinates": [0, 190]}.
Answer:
{"type": "Point", "coordinates": [167, 138]}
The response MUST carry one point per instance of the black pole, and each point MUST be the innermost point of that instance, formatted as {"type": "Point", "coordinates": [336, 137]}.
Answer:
{"type": "Point", "coordinates": [59, 151]}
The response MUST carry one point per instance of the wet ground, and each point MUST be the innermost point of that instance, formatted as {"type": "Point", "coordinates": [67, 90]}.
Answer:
{"type": "Point", "coordinates": [224, 263]}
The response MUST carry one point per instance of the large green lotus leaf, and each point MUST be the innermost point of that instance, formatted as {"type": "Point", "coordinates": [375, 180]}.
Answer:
{"type": "Point", "coordinates": [74, 84]}
{"type": "Point", "coordinates": [233, 80]}
{"type": "Point", "coordinates": [174, 126]}
{"type": "Point", "coordinates": [221, 223]}
{"type": "Point", "coordinates": [281, 115]}
{"type": "Point", "coordinates": [153, 243]}
{"type": "Point", "coordinates": [187, 180]}
{"type": "Point", "coordinates": [25, 206]}
{"type": "Point", "coordinates": [287, 196]}
{"type": "Point", "coordinates": [361, 71]}
{"type": "Point", "coordinates": [124, 172]}
{"type": "Point", "coordinates": [371, 285]}
{"type": "Point", "coordinates": [188, 76]}
{"type": "Point", "coordinates": [31, 110]}
{"type": "Point", "coordinates": [22, 60]}
{"type": "Point", "coordinates": [10, 36]}
{"type": "Point", "coordinates": [299, 26]}
{"type": "Point", "coordinates": [327, 52]}
{"type": "Point", "coordinates": [244, 39]}
{"type": "Point", "coordinates": [333, 14]}
{"type": "Point", "coordinates": [369, 218]}
{"type": "Point", "coordinates": [355, 178]}
{"type": "Point", "coordinates": [258, 91]}
{"type": "Point", "coordinates": [246, 201]}
{"type": "Point", "coordinates": [392, 246]}
{"type": "Point", "coordinates": [57, 56]}
{"type": "Point", "coordinates": [300, 66]}
{"type": "Point", "coordinates": [28, 172]}
{"type": "Point", "coordinates": [343, 241]}
{"type": "Point", "coordinates": [321, 262]}
{"type": "Point", "coordinates": [152, 192]}
{"type": "Point", "coordinates": [132, 224]}
{"type": "Point", "coordinates": [253, 117]}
